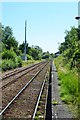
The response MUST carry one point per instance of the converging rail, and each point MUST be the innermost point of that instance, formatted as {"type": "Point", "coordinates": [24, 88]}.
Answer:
{"type": "Point", "coordinates": [27, 97]}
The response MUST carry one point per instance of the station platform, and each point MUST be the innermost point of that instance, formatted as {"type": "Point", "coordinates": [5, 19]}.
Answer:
{"type": "Point", "coordinates": [59, 109]}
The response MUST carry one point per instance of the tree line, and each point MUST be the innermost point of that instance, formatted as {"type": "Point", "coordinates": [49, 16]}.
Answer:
{"type": "Point", "coordinates": [70, 48]}
{"type": "Point", "coordinates": [12, 51]}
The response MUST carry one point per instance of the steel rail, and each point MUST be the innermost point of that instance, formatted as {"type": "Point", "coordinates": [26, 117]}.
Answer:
{"type": "Point", "coordinates": [38, 100]}
{"type": "Point", "coordinates": [36, 107]}
{"type": "Point", "coordinates": [46, 99]}
{"type": "Point", "coordinates": [21, 90]}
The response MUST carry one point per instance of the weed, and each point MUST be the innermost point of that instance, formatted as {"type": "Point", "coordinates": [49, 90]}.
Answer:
{"type": "Point", "coordinates": [54, 102]}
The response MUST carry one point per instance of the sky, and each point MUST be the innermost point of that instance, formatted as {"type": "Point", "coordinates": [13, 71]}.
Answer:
{"type": "Point", "coordinates": [46, 22]}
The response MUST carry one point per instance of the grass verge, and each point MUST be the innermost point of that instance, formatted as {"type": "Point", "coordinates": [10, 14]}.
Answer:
{"type": "Point", "coordinates": [68, 81]}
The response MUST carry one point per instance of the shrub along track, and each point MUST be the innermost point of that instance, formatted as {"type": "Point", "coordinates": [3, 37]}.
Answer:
{"type": "Point", "coordinates": [24, 105]}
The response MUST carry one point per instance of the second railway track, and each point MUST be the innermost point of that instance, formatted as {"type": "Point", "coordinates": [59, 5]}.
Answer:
{"type": "Point", "coordinates": [12, 76]}
{"type": "Point", "coordinates": [18, 70]}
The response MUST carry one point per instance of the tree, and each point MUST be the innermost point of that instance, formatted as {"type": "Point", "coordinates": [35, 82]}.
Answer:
{"type": "Point", "coordinates": [11, 43]}
{"type": "Point", "coordinates": [6, 36]}
{"type": "Point", "coordinates": [70, 46]}
{"type": "Point", "coordinates": [7, 33]}
{"type": "Point", "coordinates": [1, 27]}
{"type": "Point", "coordinates": [21, 47]}
{"type": "Point", "coordinates": [35, 52]}
{"type": "Point", "coordinates": [38, 49]}
{"type": "Point", "coordinates": [46, 55]}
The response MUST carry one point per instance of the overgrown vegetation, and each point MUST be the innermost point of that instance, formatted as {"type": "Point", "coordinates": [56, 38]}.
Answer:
{"type": "Point", "coordinates": [68, 64]}
{"type": "Point", "coordinates": [68, 82]}
{"type": "Point", "coordinates": [10, 60]}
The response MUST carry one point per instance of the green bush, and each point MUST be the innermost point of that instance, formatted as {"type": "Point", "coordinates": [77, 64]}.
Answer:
{"type": "Point", "coordinates": [29, 57]}
{"type": "Point", "coordinates": [9, 54]}
{"type": "Point", "coordinates": [7, 65]}
{"type": "Point", "coordinates": [10, 60]}
{"type": "Point", "coordinates": [18, 61]}
{"type": "Point", "coordinates": [10, 64]}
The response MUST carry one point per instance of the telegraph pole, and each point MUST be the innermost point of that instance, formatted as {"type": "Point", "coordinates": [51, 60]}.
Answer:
{"type": "Point", "coordinates": [25, 57]}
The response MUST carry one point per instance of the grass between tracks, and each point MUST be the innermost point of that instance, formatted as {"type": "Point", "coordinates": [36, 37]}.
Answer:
{"type": "Point", "coordinates": [68, 81]}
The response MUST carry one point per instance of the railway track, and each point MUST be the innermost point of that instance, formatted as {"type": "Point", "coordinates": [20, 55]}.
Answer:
{"type": "Point", "coordinates": [22, 105]}
{"type": "Point", "coordinates": [13, 87]}
{"type": "Point", "coordinates": [12, 76]}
